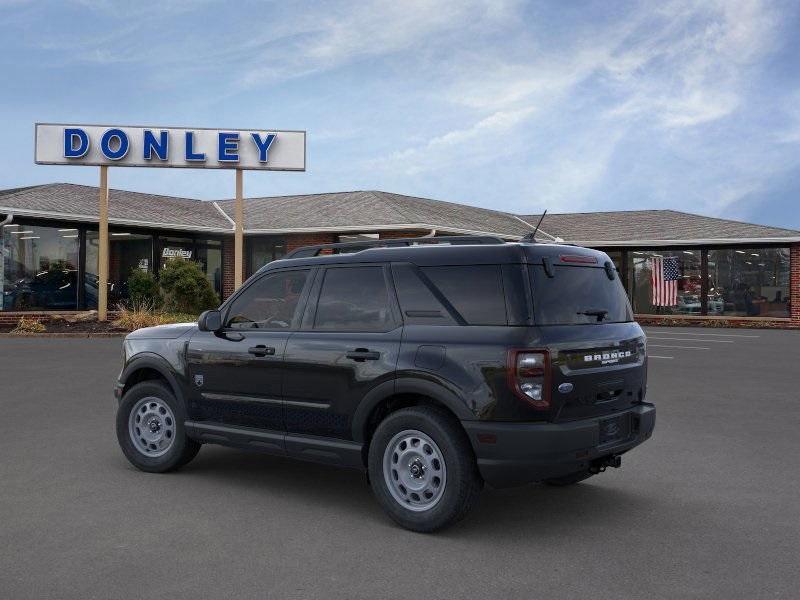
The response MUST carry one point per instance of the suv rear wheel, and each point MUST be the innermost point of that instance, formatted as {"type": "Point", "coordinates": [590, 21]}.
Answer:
{"type": "Point", "coordinates": [150, 429]}
{"type": "Point", "coordinates": [422, 469]}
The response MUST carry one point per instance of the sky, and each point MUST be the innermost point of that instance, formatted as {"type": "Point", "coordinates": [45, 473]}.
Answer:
{"type": "Point", "coordinates": [564, 105]}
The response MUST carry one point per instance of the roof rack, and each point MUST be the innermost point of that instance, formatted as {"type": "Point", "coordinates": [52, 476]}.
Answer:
{"type": "Point", "coordinates": [347, 247]}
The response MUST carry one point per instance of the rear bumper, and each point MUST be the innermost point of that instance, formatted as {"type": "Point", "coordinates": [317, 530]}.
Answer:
{"type": "Point", "coordinates": [516, 453]}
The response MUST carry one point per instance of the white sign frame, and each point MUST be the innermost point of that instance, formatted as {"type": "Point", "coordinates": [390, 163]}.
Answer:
{"type": "Point", "coordinates": [285, 152]}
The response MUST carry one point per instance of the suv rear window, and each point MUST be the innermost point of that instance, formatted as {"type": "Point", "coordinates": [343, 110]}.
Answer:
{"type": "Point", "coordinates": [578, 295]}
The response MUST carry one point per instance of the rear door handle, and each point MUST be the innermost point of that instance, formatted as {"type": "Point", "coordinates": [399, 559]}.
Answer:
{"type": "Point", "coordinates": [362, 354]}
{"type": "Point", "coordinates": [262, 350]}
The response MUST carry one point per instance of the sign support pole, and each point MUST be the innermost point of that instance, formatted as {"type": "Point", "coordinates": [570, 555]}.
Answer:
{"type": "Point", "coordinates": [102, 257]}
{"type": "Point", "coordinates": [238, 254]}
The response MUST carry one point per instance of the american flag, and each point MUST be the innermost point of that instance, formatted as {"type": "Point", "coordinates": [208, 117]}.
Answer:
{"type": "Point", "coordinates": [664, 279]}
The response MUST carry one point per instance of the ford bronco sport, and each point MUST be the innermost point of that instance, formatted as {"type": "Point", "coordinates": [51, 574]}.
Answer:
{"type": "Point", "coordinates": [434, 365]}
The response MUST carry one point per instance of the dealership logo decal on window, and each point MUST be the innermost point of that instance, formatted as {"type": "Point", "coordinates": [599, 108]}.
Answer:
{"type": "Point", "coordinates": [176, 253]}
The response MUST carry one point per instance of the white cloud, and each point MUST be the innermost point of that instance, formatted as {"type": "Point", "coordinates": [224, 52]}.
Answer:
{"type": "Point", "coordinates": [478, 142]}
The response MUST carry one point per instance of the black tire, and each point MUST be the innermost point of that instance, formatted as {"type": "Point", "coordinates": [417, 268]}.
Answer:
{"type": "Point", "coordinates": [463, 482]}
{"type": "Point", "coordinates": [182, 449]}
{"type": "Point", "coordinates": [570, 479]}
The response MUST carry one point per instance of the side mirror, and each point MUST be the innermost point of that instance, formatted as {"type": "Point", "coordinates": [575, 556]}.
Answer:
{"type": "Point", "coordinates": [210, 320]}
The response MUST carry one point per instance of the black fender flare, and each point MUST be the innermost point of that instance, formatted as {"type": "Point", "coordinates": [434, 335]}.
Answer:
{"type": "Point", "coordinates": [409, 385]}
{"type": "Point", "coordinates": [150, 360]}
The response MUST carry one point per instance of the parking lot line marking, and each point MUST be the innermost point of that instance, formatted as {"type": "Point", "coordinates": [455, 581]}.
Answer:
{"type": "Point", "coordinates": [689, 347]}
{"type": "Point", "coordinates": [736, 335]}
{"type": "Point", "coordinates": [654, 356]}
{"type": "Point", "coordinates": [672, 339]}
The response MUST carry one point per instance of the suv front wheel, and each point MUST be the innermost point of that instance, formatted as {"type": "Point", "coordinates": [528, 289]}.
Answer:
{"type": "Point", "coordinates": [150, 429]}
{"type": "Point", "coordinates": [422, 469]}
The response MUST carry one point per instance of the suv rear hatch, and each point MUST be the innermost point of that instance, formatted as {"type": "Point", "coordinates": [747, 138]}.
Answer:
{"type": "Point", "coordinates": [597, 355]}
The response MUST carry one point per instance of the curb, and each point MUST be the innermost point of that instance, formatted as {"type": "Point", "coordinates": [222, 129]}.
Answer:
{"type": "Point", "coordinates": [64, 335]}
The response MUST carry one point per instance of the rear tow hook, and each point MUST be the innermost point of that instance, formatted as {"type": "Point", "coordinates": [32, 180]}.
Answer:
{"type": "Point", "coordinates": [601, 464]}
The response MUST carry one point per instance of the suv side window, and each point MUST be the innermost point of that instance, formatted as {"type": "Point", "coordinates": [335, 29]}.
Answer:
{"type": "Point", "coordinates": [269, 303]}
{"type": "Point", "coordinates": [475, 291]}
{"type": "Point", "coordinates": [354, 299]}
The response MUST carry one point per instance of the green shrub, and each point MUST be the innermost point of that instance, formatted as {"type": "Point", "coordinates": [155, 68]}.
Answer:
{"type": "Point", "coordinates": [143, 289]}
{"type": "Point", "coordinates": [185, 288]}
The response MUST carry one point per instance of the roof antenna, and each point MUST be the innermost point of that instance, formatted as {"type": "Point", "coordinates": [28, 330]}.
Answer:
{"type": "Point", "coordinates": [531, 237]}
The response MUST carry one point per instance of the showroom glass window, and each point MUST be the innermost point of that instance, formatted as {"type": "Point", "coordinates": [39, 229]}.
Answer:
{"type": "Point", "coordinates": [748, 282]}
{"type": "Point", "coordinates": [39, 268]}
{"type": "Point", "coordinates": [262, 250]}
{"type": "Point", "coordinates": [128, 251]}
{"type": "Point", "coordinates": [209, 255]}
{"type": "Point", "coordinates": [646, 295]}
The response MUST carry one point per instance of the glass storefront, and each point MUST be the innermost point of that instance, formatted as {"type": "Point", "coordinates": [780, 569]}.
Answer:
{"type": "Point", "coordinates": [39, 269]}
{"type": "Point", "coordinates": [206, 252]}
{"type": "Point", "coordinates": [666, 282]}
{"type": "Point", "coordinates": [209, 255]}
{"type": "Point", "coordinates": [128, 252]}
{"type": "Point", "coordinates": [749, 282]}
{"type": "Point", "coordinates": [47, 268]}
{"type": "Point", "coordinates": [733, 282]}
{"type": "Point", "coordinates": [261, 250]}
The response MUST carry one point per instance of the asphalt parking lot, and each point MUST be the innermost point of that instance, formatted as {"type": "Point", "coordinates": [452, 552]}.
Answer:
{"type": "Point", "coordinates": [709, 508]}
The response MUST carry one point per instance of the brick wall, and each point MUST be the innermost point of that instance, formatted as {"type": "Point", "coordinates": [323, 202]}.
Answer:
{"type": "Point", "coordinates": [293, 242]}
{"type": "Point", "coordinates": [794, 283]}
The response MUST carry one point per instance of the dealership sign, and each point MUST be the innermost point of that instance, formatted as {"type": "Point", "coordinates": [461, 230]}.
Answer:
{"type": "Point", "coordinates": [193, 148]}
{"type": "Point", "coordinates": [176, 253]}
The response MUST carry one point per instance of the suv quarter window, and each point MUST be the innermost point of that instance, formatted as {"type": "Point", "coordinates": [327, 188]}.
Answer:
{"type": "Point", "coordinates": [475, 291]}
{"type": "Point", "coordinates": [270, 303]}
{"type": "Point", "coordinates": [356, 299]}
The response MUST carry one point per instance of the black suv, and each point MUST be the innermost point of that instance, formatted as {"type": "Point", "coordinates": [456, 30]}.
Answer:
{"type": "Point", "coordinates": [434, 364]}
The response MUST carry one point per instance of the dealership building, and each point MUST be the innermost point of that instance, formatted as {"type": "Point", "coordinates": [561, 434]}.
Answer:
{"type": "Point", "coordinates": [726, 270]}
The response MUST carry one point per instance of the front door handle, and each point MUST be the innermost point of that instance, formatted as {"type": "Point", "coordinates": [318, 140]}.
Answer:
{"type": "Point", "coordinates": [362, 354]}
{"type": "Point", "coordinates": [262, 350]}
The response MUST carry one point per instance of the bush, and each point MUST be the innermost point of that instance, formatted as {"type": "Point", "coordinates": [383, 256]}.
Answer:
{"type": "Point", "coordinates": [28, 325]}
{"type": "Point", "coordinates": [143, 289]}
{"type": "Point", "coordinates": [140, 315]}
{"type": "Point", "coordinates": [185, 288]}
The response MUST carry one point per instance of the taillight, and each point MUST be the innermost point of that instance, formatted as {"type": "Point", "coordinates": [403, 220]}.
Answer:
{"type": "Point", "coordinates": [529, 376]}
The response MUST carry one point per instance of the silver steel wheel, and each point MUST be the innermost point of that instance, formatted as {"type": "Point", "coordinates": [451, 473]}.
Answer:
{"type": "Point", "coordinates": [151, 426]}
{"type": "Point", "coordinates": [414, 470]}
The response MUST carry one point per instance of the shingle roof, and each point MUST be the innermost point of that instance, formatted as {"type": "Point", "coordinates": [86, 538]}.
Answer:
{"type": "Point", "coordinates": [71, 202]}
{"type": "Point", "coordinates": [664, 226]}
{"type": "Point", "coordinates": [375, 211]}
{"type": "Point", "coordinates": [372, 209]}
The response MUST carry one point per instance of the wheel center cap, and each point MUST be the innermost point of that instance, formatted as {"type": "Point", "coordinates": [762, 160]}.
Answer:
{"type": "Point", "coordinates": [154, 425]}
{"type": "Point", "coordinates": [417, 469]}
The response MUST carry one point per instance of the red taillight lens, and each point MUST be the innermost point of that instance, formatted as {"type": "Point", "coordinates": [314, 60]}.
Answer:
{"type": "Point", "coordinates": [529, 376]}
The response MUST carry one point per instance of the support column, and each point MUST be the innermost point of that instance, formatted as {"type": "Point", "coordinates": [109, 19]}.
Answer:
{"type": "Point", "coordinates": [102, 254]}
{"type": "Point", "coordinates": [238, 252]}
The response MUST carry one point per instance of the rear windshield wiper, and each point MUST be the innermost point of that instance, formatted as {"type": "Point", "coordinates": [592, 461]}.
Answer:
{"type": "Point", "coordinates": [594, 312]}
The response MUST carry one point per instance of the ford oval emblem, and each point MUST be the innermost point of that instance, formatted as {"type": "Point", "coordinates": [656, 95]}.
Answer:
{"type": "Point", "coordinates": [565, 388]}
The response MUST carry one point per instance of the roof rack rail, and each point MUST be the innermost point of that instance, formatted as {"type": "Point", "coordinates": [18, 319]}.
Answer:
{"type": "Point", "coordinates": [346, 247]}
